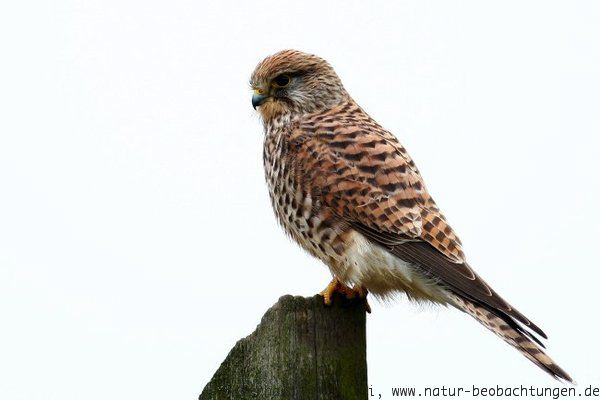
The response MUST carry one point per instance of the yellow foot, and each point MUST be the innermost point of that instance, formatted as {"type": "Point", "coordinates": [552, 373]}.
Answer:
{"type": "Point", "coordinates": [336, 286]}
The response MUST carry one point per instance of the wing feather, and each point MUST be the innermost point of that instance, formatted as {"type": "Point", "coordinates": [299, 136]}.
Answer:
{"type": "Point", "coordinates": [364, 175]}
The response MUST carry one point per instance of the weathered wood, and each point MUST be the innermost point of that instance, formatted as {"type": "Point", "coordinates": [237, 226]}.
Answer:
{"type": "Point", "coordinates": [301, 349]}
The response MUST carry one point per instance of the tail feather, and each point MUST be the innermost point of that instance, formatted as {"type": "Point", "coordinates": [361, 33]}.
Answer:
{"type": "Point", "coordinates": [512, 333]}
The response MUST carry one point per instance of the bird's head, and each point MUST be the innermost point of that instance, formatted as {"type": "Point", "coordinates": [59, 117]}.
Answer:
{"type": "Point", "coordinates": [293, 83]}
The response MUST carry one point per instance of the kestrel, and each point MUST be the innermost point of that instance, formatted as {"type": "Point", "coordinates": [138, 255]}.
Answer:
{"type": "Point", "coordinates": [346, 190]}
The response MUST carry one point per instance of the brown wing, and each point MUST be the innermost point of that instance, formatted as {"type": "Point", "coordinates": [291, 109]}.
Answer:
{"type": "Point", "coordinates": [366, 176]}
{"type": "Point", "coordinates": [363, 174]}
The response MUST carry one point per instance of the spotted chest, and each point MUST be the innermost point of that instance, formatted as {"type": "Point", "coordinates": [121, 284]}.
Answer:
{"type": "Point", "coordinates": [295, 207]}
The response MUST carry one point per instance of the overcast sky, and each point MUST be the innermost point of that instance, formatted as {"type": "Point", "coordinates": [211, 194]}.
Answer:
{"type": "Point", "coordinates": [137, 242]}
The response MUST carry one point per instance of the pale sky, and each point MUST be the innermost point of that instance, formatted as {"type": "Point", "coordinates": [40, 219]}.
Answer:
{"type": "Point", "coordinates": [137, 241]}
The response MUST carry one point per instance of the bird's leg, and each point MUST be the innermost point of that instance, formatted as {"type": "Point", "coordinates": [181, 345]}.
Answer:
{"type": "Point", "coordinates": [337, 286]}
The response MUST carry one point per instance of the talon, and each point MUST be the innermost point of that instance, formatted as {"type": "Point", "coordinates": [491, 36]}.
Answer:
{"type": "Point", "coordinates": [336, 286]}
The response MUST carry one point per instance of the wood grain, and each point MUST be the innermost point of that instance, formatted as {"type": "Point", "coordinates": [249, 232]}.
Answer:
{"type": "Point", "coordinates": [301, 349]}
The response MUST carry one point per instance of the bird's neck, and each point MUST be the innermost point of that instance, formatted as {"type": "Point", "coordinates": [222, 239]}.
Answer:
{"type": "Point", "coordinates": [274, 121]}
{"type": "Point", "coordinates": [279, 121]}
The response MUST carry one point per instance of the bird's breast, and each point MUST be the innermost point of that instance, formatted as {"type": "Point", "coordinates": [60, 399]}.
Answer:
{"type": "Point", "coordinates": [300, 214]}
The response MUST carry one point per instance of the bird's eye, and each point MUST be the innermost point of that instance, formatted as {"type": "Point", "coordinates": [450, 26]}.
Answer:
{"type": "Point", "coordinates": [281, 80]}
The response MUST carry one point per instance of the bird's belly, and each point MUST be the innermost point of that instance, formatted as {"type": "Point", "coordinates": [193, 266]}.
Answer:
{"type": "Point", "coordinates": [386, 275]}
{"type": "Point", "coordinates": [301, 216]}
{"type": "Point", "coordinates": [305, 223]}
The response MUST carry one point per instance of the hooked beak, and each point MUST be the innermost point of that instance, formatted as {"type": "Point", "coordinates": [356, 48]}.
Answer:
{"type": "Point", "coordinates": [258, 98]}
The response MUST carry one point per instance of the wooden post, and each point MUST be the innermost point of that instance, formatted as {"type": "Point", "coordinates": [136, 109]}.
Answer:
{"type": "Point", "coordinates": [301, 349]}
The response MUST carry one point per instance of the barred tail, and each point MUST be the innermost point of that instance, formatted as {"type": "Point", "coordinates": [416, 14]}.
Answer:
{"type": "Point", "coordinates": [512, 333]}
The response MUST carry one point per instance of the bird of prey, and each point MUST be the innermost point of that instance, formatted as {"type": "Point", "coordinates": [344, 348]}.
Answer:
{"type": "Point", "coordinates": [346, 190]}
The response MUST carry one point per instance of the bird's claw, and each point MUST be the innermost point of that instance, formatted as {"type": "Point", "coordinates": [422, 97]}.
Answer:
{"type": "Point", "coordinates": [350, 293]}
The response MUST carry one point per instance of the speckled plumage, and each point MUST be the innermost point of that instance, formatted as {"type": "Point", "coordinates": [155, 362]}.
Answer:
{"type": "Point", "coordinates": [347, 191]}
